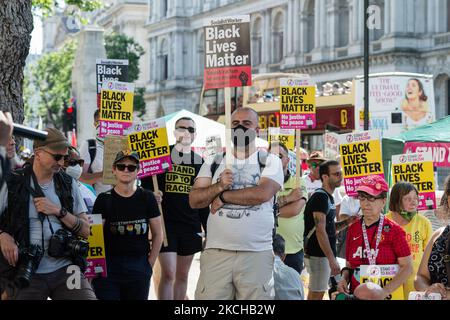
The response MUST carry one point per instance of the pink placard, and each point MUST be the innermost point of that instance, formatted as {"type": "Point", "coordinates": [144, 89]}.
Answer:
{"type": "Point", "coordinates": [96, 267]}
{"type": "Point", "coordinates": [155, 166]}
{"type": "Point", "coordinates": [297, 121]}
{"type": "Point", "coordinates": [351, 184]}
{"type": "Point", "coordinates": [439, 150]}
{"type": "Point", "coordinates": [113, 128]}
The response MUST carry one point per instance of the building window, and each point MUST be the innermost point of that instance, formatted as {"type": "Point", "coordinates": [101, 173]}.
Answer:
{"type": "Point", "coordinates": [278, 38]}
{"type": "Point", "coordinates": [343, 24]}
{"type": "Point", "coordinates": [310, 28]}
{"type": "Point", "coordinates": [164, 8]}
{"type": "Point", "coordinates": [256, 42]}
{"type": "Point", "coordinates": [164, 60]}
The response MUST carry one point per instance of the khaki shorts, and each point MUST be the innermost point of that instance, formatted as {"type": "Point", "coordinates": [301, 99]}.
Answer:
{"type": "Point", "coordinates": [240, 275]}
{"type": "Point", "coordinates": [319, 273]}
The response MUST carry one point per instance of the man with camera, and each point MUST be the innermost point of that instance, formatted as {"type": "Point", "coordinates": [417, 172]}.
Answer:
{"type": "Point", "coordinates": [41, 254]}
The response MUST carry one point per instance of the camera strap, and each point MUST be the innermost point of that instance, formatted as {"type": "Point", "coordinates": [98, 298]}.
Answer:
{"type": "Point", "coordinates": [38, 193]}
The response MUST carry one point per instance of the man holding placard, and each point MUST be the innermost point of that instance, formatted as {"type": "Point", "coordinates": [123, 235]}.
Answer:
{"type": "Point", "coordinates": [238, 260]}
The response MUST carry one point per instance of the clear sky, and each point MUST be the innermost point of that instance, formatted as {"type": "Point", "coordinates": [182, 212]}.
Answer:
{"type": "Point", "coordinates": [36, 37]}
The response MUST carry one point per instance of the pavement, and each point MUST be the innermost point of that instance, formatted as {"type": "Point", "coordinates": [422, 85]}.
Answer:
{"type": "Point", "coordinates": [194, 273]}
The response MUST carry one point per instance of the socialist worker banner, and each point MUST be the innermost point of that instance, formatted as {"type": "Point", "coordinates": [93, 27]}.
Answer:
{"type": "Point", "coordinates": [110, 70]}
{"type": "Point", "coordinates": [116, 108]}
{"type": "Point", "coordinates": [227, 52]}
{"type": "Point", "coordinates": [360, 156]}
{"type": "Point", "coordinates": [417, 168]}
{"type": "Point", "coordinates": [298, 103]}
{"type": "Point", "coordinates": [150, 141]}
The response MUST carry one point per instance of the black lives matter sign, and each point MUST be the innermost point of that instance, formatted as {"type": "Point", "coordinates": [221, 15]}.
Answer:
{"type": "Point", "coordinates": [110, 70]}
{"type": "Point", "coordinates": [227, 52]}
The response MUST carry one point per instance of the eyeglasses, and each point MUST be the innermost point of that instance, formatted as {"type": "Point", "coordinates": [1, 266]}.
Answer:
{"type": "Point", "coordinates": [130, 167]}
{"type": "Point", "coordinates": [368, 198]}
{"type": "Point", "coordinates": [74, 162]}
{"type": "Point", "coordinates": [182, 129]}
{"type": "Point", "coordinates": [57, 157]}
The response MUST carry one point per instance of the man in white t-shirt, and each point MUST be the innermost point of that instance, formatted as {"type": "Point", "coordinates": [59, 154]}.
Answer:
{"type": "Point", "coordinates": [238, 260]}
{"type": "Point", "coordinates": [313, 182]}
{"type": "Point", "coordinates": [93, 172]}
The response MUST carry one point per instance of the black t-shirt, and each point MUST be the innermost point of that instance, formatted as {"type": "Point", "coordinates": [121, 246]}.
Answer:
{"type": "Point", "coordinates": [320, 201]}
{"type": "Point", "coordinates": [176, 185]}
{"type": "Point", "coordinates": [126, 221]}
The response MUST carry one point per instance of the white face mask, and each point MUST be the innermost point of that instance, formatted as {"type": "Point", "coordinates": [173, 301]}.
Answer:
{"type": "Point", "coordinates": [74, 171]}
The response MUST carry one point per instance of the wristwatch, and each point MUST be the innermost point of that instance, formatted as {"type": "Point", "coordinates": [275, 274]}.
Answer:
{"type": "Point", "coordinates": [62, 213]}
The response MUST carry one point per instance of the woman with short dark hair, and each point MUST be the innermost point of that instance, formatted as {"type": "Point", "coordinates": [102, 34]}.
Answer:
{"type": "Point", "coordinates": [403, 204]}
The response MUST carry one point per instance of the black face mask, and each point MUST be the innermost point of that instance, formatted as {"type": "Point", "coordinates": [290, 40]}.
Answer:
{"type": "Point", "coordinates": [242, 136]}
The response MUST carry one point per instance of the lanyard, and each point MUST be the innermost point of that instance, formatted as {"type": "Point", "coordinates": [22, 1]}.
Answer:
{"type": "Point", "coordinates": [372, 258]}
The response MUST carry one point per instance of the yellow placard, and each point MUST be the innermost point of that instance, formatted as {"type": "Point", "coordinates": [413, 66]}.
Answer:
{"type": "Point", "coordinates": [116, 106]}
{"type": "Point", "coordinates": [381, 275]}
{"type": "Point", "coordinates": [298, 100]}
{"type": "Point", "coordinates": [361, 158]}
{"type": "Point", "coordinates": [150, 144]}
{"type": "Point", "coordinates": [383, 281]}
{"type": "Point", "coordinates": [417, 168]}
{"type": "Point", "coordinates": [287, 140]}
{"type": "Point", "coordinates": [96, 242]}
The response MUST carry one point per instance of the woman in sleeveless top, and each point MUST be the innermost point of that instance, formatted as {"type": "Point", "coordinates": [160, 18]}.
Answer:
{"type": "Point", "coordinates": [432, 276]}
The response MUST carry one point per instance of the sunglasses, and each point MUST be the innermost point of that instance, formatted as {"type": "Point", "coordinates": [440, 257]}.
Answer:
{"type": "Point", "coordinates": [362, 197]}
{"type": "Point", "coordinates": [130, 167]}
{"type": "Point", "coordinates": [182, 129]}
{"type": "Point", "coordinates": [315, 165]}
{"type": "Point", "coordinates": [74, 162]}
{"type": "Point", "coordinates": [57, 157]}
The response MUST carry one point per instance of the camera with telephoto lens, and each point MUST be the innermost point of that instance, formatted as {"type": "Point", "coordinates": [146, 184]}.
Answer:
{"type": "Point", "coordinates": [64, 244]}
{"type": "Point", "coordinates": [29, 259]}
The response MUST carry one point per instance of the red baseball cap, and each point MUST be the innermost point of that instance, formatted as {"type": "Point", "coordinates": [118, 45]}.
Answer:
{"type": "Point", "coordinates": [373, 185]}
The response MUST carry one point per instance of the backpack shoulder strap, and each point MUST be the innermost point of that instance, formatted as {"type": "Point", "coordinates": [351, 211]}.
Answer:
{"type": "Point", "coordinates": [329, 207]}
{"type": "Point", "coordinates": [92, 148]}
{"type": "Point", "coordinates": [262, 159]}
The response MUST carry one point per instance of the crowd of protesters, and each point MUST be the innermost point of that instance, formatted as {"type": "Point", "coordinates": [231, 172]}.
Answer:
{"type": "Point", "coordinates": [257, 228]}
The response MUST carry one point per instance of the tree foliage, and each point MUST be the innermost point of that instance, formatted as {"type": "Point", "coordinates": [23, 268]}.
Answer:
{"type": "Point", "coordinates": [47, 7]}
{"type": "Point", "coordinates": [120, 46]}
{"type": "Point", "coordinates": [52, 77]}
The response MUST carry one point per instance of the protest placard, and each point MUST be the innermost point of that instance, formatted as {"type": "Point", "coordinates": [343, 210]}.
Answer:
{"type": "Point", "coordinates": [227, 52]}
{"type": "Point", "coordinates": [417, 168]}
{"type": "Point", "coordinates": [360, 156]}
{"type": "Point", "coordinates": [110, 70]}
{"type": "Point", "coordinates": [381, 275]}
{"type": "Point", "coordinates": [150, 141]}
{"type": "Point", "coordinates": [284, 136]}
{"type": "Point", "coordinates": [96, 259]}
{"type": "Point", "coordinates": [116, 108]}
{"type": "Point", "coordinates": [112, 145]}
{"type": "Point", "coordinates": [297, 103]}
{"type": "Point", "coordinates": [331, 145]}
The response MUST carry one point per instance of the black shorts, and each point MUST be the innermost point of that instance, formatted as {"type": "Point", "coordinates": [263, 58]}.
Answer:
{"type": "Point", "coordinates": [184, 244]}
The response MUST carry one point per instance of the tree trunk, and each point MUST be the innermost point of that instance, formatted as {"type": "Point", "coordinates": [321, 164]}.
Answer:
{"type": "Point", "coordinates": [16, 24]}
